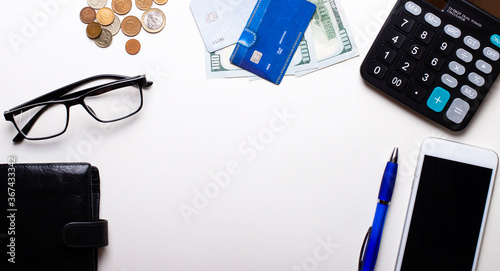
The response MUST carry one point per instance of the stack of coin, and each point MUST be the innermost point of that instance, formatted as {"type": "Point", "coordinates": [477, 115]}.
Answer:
{"type": "Point", "coordinates": [103, 22]}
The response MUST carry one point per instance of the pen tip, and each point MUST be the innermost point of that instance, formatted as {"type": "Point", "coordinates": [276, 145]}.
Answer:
{"type": "Point", "coordinates": [394, 156]}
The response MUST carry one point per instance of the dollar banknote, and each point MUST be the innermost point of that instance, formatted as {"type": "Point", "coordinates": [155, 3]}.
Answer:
{"type": "Point", "coordinates": [328, 40]}
{"type": "Point", "coordinates": [333, 39]}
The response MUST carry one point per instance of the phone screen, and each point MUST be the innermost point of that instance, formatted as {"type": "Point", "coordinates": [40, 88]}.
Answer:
{"type": "Point", "coordinates": [447, 217]}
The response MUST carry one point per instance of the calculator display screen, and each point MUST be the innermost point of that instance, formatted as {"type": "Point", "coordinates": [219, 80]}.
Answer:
{"type": "Point", "coordinates": [440, 4]}
{"type": "Point", "coordinates": [490, 6]}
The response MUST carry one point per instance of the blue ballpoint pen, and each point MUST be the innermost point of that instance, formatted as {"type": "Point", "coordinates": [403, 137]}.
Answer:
{"type": "Point", "coordinates": [371, 244]}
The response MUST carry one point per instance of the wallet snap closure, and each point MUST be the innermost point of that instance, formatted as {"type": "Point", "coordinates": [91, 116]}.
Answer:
{"type": "Point", "coordinates": [86, 234]}
{"type": "Point", "coordinates": [248, 38]}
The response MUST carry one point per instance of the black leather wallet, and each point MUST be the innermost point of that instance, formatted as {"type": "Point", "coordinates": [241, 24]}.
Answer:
{"type": "Point", "coordinates": [50, 217]}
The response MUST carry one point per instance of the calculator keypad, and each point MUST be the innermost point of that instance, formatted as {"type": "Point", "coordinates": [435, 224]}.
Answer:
{"type": "Point", "coordinates": [387, 54]}
{"type": "Point", "coordinates": [434, 63]}
{"type": "Point", "coordinates": [424, 35]}
{"type": "Point", "coordinates": [395, 38]}
{"type": "Point", "coordinates": [444, 46]}
{"type": "Point", "coordinates": [404, 23]}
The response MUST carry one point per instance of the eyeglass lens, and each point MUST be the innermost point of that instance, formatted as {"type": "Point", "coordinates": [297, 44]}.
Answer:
{"type": "Point", "coordinates": [46, 120]}
{"type": "Point", "coordinates": [116, 104]}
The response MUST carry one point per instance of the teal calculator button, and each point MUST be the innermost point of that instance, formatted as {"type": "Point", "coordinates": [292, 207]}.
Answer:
{"type": "Point", "coordinates": [438, 99]}
{"type": "Point", "coordinates": [495, 39]}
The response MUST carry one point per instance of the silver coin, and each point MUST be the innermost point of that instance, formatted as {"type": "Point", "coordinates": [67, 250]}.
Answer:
{"type": "Point", "coordinates": [114, 27]}
{"type": "Point", "coordinates": [97, 4]}
{"type": "Point", "coordinates": [105, 39]}
{"type": "Point", "coordinates": [153, 20]}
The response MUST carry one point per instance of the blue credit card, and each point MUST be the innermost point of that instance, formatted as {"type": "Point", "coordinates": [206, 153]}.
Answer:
{"type": "Point", "coordinates": [271, 37]}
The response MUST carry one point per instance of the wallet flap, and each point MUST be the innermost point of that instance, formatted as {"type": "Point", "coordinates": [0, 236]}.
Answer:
{"type": "Point", "coordinates": [86, 234]}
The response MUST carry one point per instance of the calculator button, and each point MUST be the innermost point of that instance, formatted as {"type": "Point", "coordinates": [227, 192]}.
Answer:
{"type": "Point", "coordinates": [425, 77]}
{"type": "Point", "coordinates": [424, 35]}
{"type": "Point", "coordinates": [406, 65]}
{"type": "Point", "coordinates": [464, 55]}
{"type": "Point", "coordinates": [404, 23]}
{"type": "Point", "coordinates": [468, 92]}
{"type": "Point", "coordinates": [456, 68]}
{"type": "Point", "coordinates": [395, 38]}
{"type": "Point", "coordinates": [472, 42]}
{"type": "Point", "coordinates": [432, 19]}
{"type": "Point", "coordinates": [435, 62]}
{"type": "Point", "coordinates": [449, 80]}
{"type": "Point", "coordinates": [378, 70]}
{"type": "Point", "coordinates": [476, 79]}
{"type": "Point", "coordinates": [458, 110]}
{"type": "Point", "coordinates": [484, 66]}
{"type": "Point", "coordinates": [444, 46]}
{"type": "Point", "coordinates": [387, 54]}
{"type": "Point", "coordinates": [415, 50]}
{"type": "Point", "coordinates": [416, 93]}
{"type": "Point", "coordinates": [452, 31]}
{"type": "Point", "coordinates": [491, 53]}
{"type": "Point", "coordinates": [495, 39]}
{"type": "Point", "coordinates": [413, 8]}
{"type": "Point", "coordinates": [438, 99]}
{"type": "Point", "coordinates": [396, 81]}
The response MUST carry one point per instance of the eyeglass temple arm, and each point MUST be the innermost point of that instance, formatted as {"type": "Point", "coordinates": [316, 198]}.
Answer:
{"type": "Point", "coordinates": [63, 90]}
{"type": "Point", "coordinates": [25, 130]}
{"type": "Point", "coordinates": [144, 84]}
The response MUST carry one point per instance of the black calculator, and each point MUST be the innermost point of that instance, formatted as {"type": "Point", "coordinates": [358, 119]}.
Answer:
{"type": "Point", "coordinates": [439, 58]}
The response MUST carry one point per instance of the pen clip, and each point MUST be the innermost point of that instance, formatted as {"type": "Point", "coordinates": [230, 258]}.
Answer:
{"type": "Point", "coordinates": [363, 249]}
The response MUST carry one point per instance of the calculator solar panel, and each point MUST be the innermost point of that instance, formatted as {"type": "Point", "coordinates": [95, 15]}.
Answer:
{"type": "Point", "coordinates": [439, 58]}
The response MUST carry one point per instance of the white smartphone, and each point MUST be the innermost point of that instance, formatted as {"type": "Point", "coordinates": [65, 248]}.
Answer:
{"type": "Point", "coordinates": [448, 206]}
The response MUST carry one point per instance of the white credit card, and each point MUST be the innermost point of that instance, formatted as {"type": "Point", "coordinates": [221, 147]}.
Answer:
{"type": "Point", "coordinates": [221, 22]}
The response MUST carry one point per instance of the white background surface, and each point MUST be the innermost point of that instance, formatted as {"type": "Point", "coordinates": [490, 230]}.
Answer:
{"type": "Point", "coordinates": [313, 181]}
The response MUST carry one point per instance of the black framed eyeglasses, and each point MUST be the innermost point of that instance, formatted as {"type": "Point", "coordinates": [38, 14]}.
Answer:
{"type": "Point", "coordinates": [47, 116]}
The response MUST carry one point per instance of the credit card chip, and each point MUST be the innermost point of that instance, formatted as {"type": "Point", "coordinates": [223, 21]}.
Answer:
{"type": "Point", "coordinates": [256, 56]}
{"type": "Point", "coordinates": [211, 17]}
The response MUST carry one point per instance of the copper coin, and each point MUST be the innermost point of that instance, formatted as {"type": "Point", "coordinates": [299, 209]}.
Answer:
{"type": "Point", "coordinates": [121, 7]}
{"type": "Point", "coordinates": [105, 16]}
{"type": "Point", "coordinates": [133, 46]}
{"type": "Point", "coordinates": [131, 26]}
{"type": "Point", "coordinates": [153, 20]}
{"type": "Point", "coordinates": [94, 30]}
{"type": "Point", "coordinates": [143, 4]}
{"type": "Point", "coordinates": [161, 2]}
{"type": "Point", "coordinates": [87, 15]}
